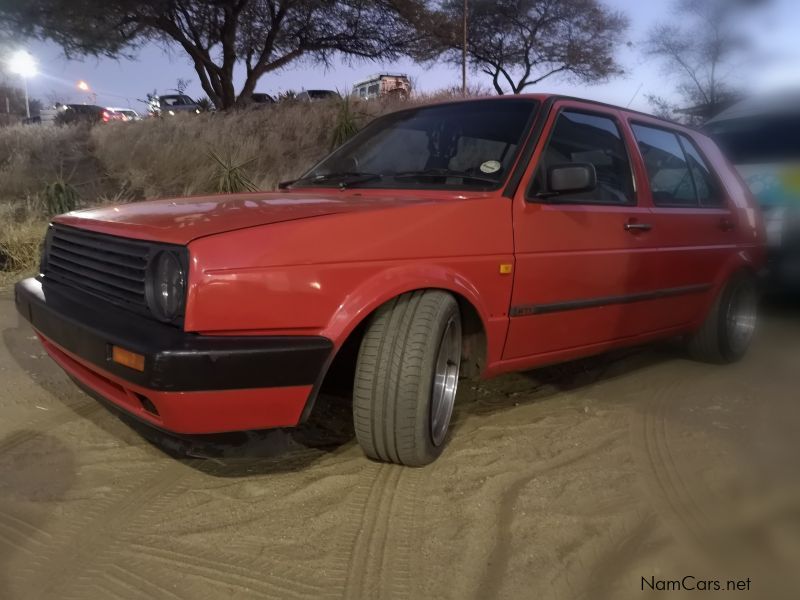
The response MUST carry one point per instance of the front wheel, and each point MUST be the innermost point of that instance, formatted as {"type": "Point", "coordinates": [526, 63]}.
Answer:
{"type": "Point", "coordinates": [406, 378]}
{"type": "Point", "coordinates": [730, 325]}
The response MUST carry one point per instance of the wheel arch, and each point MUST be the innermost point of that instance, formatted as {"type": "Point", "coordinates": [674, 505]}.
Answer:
{"type": "Point", "coordinates": [346, 328]}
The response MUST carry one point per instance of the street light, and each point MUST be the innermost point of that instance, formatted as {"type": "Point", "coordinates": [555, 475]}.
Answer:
{"type": "Point", "coordinates": [84, 87]}
{"type": "Point", "coordinates": [24, 65]}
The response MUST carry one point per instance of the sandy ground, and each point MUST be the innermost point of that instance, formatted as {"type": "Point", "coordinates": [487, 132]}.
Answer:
{"type": "Point", "coordinates": [569, 482]}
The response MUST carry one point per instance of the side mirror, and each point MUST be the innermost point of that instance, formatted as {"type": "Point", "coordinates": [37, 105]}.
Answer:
{"type": "Point", "coordinates": [571, 178]}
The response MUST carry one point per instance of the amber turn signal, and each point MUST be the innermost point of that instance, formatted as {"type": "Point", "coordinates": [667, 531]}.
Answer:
{"type": "Point", "coordinates": [127, 358]}
{"type": "Point", "coordinates": [506, 268]}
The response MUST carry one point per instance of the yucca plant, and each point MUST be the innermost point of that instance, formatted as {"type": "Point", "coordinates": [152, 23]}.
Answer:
{"type": "Point", "coordinates": [60, 197]}
{"type": "Point", "coordinates": [230, 176]}
{"type": "Point", "coordinates": [205, 104]}
{"type": "Point", "coordinates": [346, 125]}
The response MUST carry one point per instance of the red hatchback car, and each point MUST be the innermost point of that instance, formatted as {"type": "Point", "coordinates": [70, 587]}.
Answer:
{"type": "Point", "coordinates": [459, 239]}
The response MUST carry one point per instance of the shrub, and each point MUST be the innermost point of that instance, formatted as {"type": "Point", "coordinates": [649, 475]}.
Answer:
{"type": "Point", "coordinates": [60, 197]}
{"type": "Point", "coordinates": [231, 177]}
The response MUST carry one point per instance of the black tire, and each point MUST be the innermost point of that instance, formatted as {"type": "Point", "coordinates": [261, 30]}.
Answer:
{"type": "Point", "coordinates": [394, 380]}
{"type": "Point", "coordinates": [716, 342]}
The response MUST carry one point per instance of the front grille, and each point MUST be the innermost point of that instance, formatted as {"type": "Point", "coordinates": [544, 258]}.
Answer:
{"type": "Point", "coordinates": [109, 267]}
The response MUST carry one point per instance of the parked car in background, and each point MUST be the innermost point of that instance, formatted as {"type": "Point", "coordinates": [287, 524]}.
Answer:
{"type": "Point", "coordinates": [761, 136]}
{"type": "Point", "coordinates": [382, 86]}
{"type": "Point", "coordinates": [459, 239]}
{"type": "Point", "coordinates": [262, 98]}
{"type": "Point", "coordinates": [172, 104]}
{"type": "Point", "coordinates": [314, 95]}
{"type": "Point", "coordinates": [128, 114]}
{"type": "Point", "coordinates": [85, 113]}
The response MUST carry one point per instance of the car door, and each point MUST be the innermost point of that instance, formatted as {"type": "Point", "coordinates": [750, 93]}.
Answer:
{"type": "Point", "coordinates": [694, 229]}
{"type": "Point", "coordinates": [584, 266]}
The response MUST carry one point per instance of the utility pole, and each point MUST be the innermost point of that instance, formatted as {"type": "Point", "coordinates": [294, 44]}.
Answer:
{"type": "Point", "coordinates": [24, 65]}
{"type": "Point", "coordinates": [27, 102]}
{"type": "Point", "coordinates": [464, 54]}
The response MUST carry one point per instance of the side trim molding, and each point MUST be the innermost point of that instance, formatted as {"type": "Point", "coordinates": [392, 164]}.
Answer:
{"type": "Point", "coordinates": [525, 310]}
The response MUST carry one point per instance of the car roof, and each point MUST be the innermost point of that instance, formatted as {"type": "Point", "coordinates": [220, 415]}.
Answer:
{"type": "Point", "coordinates": [380, 76]}
{"type": "Point", "coordinates": [552, 97]}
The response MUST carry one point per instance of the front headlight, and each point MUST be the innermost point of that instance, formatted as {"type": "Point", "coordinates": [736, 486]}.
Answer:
{"type": "Point", "coordinates": [167, 286]}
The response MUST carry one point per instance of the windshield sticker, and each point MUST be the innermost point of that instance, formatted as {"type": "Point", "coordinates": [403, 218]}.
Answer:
{"type": "Point", "coordinates": [490, 166]}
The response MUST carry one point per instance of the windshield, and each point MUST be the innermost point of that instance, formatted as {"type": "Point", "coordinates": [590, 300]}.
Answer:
{"type": "Point", "coordinates": [463, 145]}
{"type": "Point", "coordinates": [755, 140]}
{"type": "Point", "coordinates": [176, 100]}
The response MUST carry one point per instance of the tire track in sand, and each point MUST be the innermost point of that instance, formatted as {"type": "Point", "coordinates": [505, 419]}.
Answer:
{"type": "Point", "coordinates": [672, 497]}
{"type": "Point", "coordinates": [71, 549]}
{"type": "Point", "coordinates": [137, 550]}
{"type": "Point", "coordinates": [497, 563]}
{"type": "Point", "coordinates": [381, 534]}
{"type": "Point", "coordinates": [33, 428]}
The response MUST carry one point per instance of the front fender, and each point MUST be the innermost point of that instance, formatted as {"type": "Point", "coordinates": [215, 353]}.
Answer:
{"type": "Point", "coordinates": [395, 281]}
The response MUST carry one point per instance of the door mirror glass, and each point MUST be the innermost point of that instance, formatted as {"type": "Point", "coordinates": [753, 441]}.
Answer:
{"type": "Point", "coordinates": [572, 178]}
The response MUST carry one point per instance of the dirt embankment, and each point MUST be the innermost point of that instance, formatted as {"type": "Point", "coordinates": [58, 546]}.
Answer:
{"type": "Point", "coordinates": [571, 482]}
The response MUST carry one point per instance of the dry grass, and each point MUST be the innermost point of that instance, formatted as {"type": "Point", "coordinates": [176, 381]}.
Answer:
{"type": "Point", "coordinates": [175, 156]}
{"type": "Point", "coordinates": [32, 157]}
{"type": "Point", "coordinates": [19, 244]}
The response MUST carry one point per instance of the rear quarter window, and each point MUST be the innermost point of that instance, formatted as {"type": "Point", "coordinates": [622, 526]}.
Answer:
{"type": "Point", "coordinates": [708, 191]}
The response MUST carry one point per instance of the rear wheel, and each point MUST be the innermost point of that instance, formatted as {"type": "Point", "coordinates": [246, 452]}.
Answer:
{"type": "Point", "coordinates": [406, 378]}
{"type": "Point", "coordinates": [730, 325]}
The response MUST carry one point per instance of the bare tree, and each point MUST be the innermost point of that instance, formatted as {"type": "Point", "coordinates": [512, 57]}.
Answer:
{"type": "Point", "coordinates": [520, 43]}
{"type": "Point", "coordinates": [701, 49]}
{"type": "Point", "coordinates": [181, 85]}
{"type": "Point", "coordinates": [261, 35]}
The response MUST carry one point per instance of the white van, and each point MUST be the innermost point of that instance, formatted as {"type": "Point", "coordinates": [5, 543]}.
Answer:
{"type": "Point", "coordinates": [385, 84]}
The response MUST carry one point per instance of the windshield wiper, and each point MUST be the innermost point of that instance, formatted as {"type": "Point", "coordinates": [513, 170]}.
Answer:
{"type": "Point", "coordinates": [444, 173]}
{"type": "Point", "coordinates": [346, 178]}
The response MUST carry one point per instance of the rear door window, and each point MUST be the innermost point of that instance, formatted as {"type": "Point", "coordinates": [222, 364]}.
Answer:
{"type": "Point", "coordinates": [581, 137]}
{"type": "Point", "coordinates": [679, 175]}
{"type": "Point", "coordinates": [671, 182]}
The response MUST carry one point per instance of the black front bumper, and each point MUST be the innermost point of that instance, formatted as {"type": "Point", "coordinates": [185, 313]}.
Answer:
{"type": "Point", "coordinates": [174, 360]}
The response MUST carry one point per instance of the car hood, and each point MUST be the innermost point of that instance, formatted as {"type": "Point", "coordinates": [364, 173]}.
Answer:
{"type": "Point", "coordinates": [181, 220]}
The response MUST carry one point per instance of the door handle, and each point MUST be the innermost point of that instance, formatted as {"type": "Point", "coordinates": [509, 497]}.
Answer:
{"type": "Point", "coordinates": [636, 227]}
{"type": "Point", "coordinates": [726, 224]}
